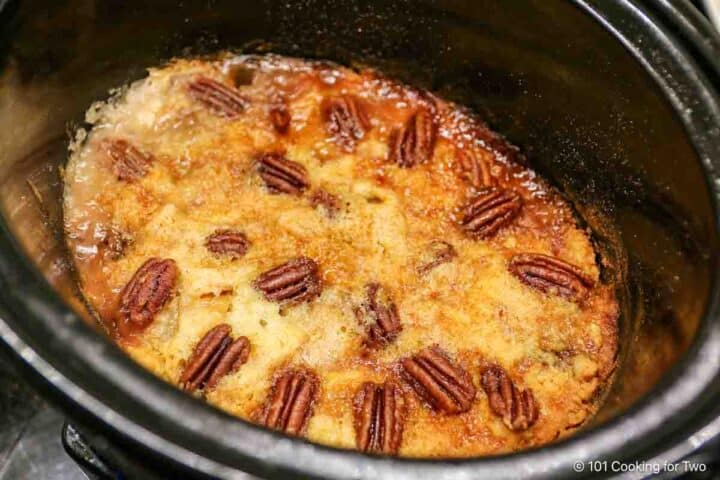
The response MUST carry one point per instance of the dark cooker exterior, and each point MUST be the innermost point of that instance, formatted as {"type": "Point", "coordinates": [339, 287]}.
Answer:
{"type": "Point", "coordinates": [147, 427]}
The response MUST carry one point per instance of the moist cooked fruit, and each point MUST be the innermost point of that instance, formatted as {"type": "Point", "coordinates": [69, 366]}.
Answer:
{"type": "Point", "coordinates": [335, 255]}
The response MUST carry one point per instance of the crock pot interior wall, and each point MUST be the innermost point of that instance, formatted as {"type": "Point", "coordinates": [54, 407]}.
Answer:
{"type": "Point", "coordinates": [545, 74]}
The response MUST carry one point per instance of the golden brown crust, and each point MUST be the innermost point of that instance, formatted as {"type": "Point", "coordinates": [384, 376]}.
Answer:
{"type": "Point", "coordinates": [280, 199]}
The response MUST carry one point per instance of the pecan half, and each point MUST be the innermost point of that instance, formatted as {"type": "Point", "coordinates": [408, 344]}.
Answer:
{"type": "Point", "coordinates": [292, 282]}
{"type": "Point", "coordinates": [221, 99]}
{"type": "Point", "coordinates": [345, 120]}
{"type": "Point", "coordinates": [551, 275]}
{"type": "Point", "coordinates": [148, 291]}
{"type": "Point", "coordinates": [128, 162]}
{"type": "Point", "coordinates": [475, 170]}
{"type": "Point", "coordinates": [215, 356]}
{"type": "Point", "coordinates": [443, 384]}
{"type": "Point", "coordinates": [516, 407]}
{"type": "Point", "coordinates": [280, 118]}
{"type": "Point", "coordinates": [290, 403]}
{"type": "Point", "coordinates": [489, 211]}
{"type": "Point", "coordinates": [379, 418]}
{"type": "Point", "coordinates": [282, 175]}
{"type": "Point", "coordinates": [230, 243]}
{"type": "Point", "coordinates": [414, 143]}
{"type": "Point", "coordinates": [380, 315]}
{"type": "Point", "coordinates": [436, 253]}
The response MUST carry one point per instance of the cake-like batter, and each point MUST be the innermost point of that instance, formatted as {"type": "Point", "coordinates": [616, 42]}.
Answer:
{"type": "Point", "coordinates": [333, 254]}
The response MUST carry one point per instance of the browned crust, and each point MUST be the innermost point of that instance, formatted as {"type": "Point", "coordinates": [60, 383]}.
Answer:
{"type": "Point", "coordinates": [421, 173]}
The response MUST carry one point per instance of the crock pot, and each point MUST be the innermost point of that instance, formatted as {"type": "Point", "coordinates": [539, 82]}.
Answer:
{"type": "Point", "coordinates": [615, 101]}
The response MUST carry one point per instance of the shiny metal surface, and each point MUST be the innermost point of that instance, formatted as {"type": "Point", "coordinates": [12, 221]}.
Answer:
{"type": "Point", "coordinates": [712, 7]}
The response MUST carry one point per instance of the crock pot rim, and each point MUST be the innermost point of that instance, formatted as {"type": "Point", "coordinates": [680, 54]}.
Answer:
{"type": "Point", "coordinates": [687, 387]}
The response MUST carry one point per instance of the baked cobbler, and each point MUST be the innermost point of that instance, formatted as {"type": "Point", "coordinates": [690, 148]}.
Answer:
{"type": "Point", "coordinates": [335, 255]}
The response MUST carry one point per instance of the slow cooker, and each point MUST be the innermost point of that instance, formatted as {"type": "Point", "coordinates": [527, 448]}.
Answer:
{"type": "Point", "coordinates": [617, 102]}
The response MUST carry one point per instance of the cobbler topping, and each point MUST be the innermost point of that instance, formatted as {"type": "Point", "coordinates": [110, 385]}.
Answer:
{"type": "Point", "coordinates": [357, 262]}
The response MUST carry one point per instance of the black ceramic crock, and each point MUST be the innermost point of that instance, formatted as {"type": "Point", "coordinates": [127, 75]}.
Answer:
{"type": "Point", "coordinates": [615, 101]}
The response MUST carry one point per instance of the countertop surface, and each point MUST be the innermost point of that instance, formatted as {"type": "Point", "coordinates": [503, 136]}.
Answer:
{"type": "Point", "coordinates": [30, 446]}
